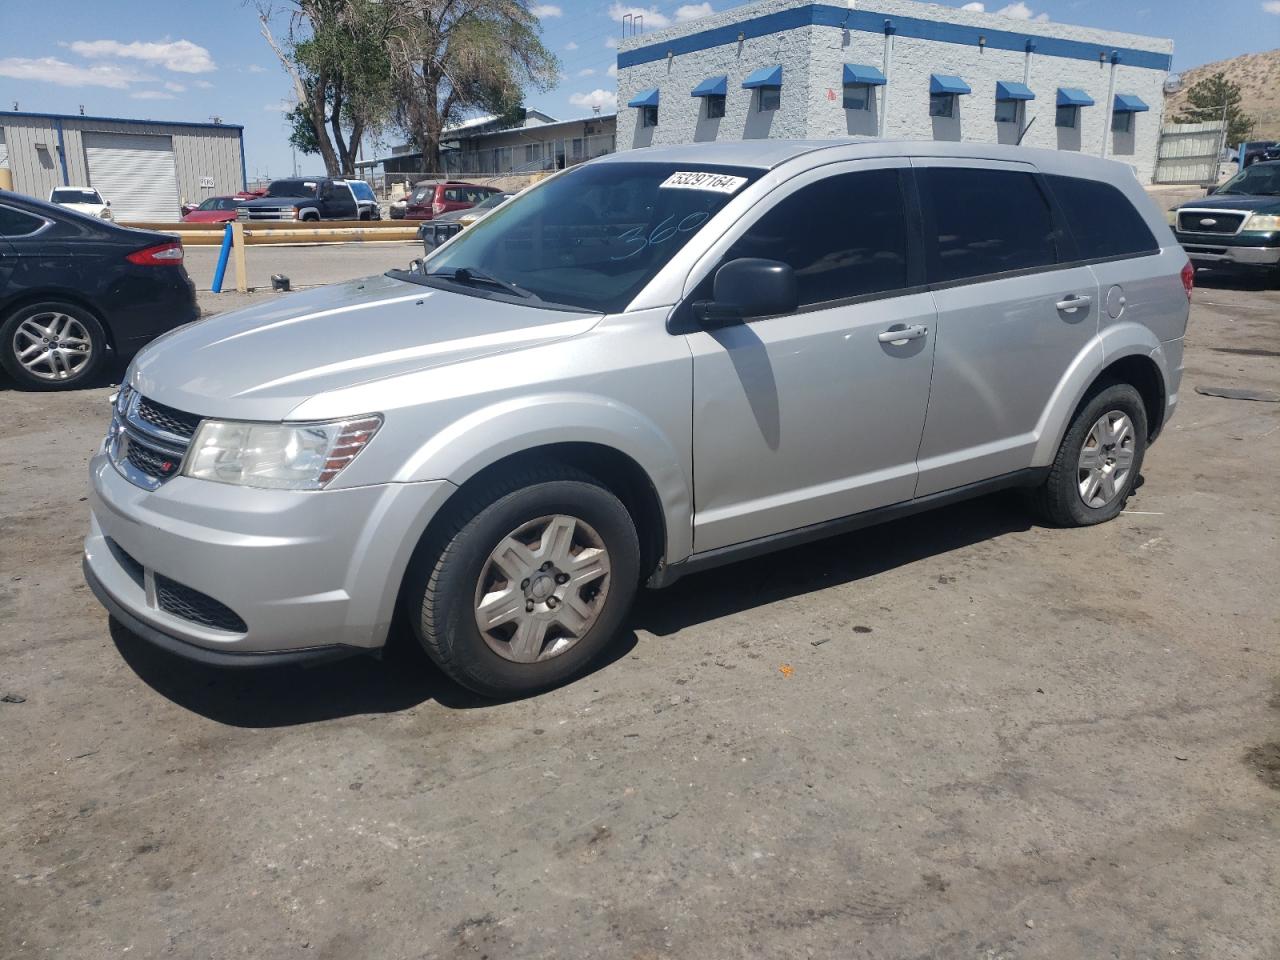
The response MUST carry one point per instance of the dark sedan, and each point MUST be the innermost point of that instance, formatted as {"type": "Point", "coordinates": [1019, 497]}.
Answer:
{"type": "Point", "coordinates": [74, 289]}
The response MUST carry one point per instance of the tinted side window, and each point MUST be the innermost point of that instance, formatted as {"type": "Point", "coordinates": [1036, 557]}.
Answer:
{"type": "Point", "coordinates": [1102, 219]}
{"type": "Point", "coordinates": [16, 223]}
{"type": "Point", "coordinates": [984, 222]}
{"type": "Point", "coordinates": [844, 236]}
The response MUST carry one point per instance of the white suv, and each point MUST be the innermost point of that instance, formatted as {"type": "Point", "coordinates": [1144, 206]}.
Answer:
{"type": "Point", "coordinates": [84, 200]}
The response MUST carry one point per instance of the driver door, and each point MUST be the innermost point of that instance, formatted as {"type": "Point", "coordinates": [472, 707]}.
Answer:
{"type": "Point", "coordinates": [818, 414]}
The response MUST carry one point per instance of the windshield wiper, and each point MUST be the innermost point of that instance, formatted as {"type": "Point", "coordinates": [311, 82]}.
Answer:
{"type": "Point", "coordinates": [472, 275]}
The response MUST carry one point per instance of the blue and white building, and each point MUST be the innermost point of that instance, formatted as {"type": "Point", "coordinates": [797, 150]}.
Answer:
{"type": "Point", "coordinates": [895, 69]}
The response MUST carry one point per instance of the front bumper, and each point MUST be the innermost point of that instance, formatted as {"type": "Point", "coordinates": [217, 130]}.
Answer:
{"type": "Point", "coordinates": [1230, 251]}
{"type": "Point", "coordinates": [296, 575]}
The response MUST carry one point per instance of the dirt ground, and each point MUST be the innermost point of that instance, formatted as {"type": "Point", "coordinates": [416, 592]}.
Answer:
{"type": "Point", "coordinates": [960, 735]}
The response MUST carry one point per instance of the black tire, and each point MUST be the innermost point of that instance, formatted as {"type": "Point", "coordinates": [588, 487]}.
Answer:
{"type": "Point", "coordinates": [310, 218]}
{"type": "Point", "coordinates": [442, 582]}
{"type": "Point", "coordinates": [1058, 500]}
{"type": "Point", "coordinates": [11, 341]}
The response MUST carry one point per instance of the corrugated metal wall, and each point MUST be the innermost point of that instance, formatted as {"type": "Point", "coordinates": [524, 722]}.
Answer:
{"type": "Point", "coordinates": [198, 153]}
{"type": "Point", "coordinates": [1189, 152]}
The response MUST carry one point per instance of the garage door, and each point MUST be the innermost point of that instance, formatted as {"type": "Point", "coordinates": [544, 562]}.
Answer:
{"type": "Point", "coordinates": [136, 173]}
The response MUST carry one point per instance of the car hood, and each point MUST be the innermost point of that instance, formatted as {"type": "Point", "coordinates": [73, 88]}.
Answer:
{"type": "Point", "coordinates": [1255, 203]}
{"type": "Point", "coordinates": [209, 216]}
{"type": "Point", "coordinates": [260, 363]}
{"type": "Point", "coordinates": [277, 201]}
{"type": "Point", "coordinates": [89, 209]}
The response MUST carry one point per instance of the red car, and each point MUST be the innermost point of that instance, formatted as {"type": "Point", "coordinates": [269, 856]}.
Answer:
{"type": "Point", "coordinates": [430, 198]}
{"type": "Point", "coordinates": [215, 210]}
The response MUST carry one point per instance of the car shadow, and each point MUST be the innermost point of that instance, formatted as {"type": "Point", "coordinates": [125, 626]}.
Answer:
{"type": "Point", "coordinates": [822, 564]}
{"type": "Point", "coordinates": [404, 677]}
{"type": "Point", "coordinates": [1211, 279]}
{"type": "Point", "coordinates": [290, 696]}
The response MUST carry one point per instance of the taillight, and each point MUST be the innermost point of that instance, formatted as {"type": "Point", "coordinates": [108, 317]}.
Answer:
{"type": "Point", "coordinates": [1188, 278]}
{"type": "Point", "coordinates": [161, 255]}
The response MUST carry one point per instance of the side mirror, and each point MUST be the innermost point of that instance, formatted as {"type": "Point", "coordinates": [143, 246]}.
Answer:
{"type": "Point", "coordinates": [1210, 191]}
{"type": "Point", "coordinates": [745, 288]}
{"type": "Point", "coordinates": [107, 203]}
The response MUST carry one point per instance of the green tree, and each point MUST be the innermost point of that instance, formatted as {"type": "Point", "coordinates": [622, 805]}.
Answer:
{"type": "Point", "coordinates": [453, 57]}
{"type": "Point", "coordinates": [337, 57]}
{"type": "Point", "coordinates": [1205, 101]}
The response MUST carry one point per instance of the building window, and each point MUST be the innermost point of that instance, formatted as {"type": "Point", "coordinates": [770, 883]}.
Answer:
{"type": "Point", "coordinates": [1067, 117]}
{"type": "Point", "coordinates": [942, 105]}
{"type": "Point", "coordinates": [1006, 111]}
{"type": "Point", "coordinates": [715, 107]}
{"type": "Point", "coordinates": [768, 98]}
{"type": "Point", "coordinates": [857, 96]}
{"type": "Point", "coordinates": [648, 116]}
{"type": "Point", "coordinates": [1121, 122]}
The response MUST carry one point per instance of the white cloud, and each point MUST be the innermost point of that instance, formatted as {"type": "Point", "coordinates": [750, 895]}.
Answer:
{"type": "Point", "coordinates": [1272, 6]}
{"type": "Point", "coordinates": [571, 45]}
{"type": "Point", "coordinates": [613, 70]}
{"type": "Point", "coordinates": [604, 99]}
{"type": "Point", "coordinates": [653, 17]}
{"type": "Point", "coordinates": [203, 84]}
{"type": "Point", "coordinates": [692, 11]}
{"type": "Point", "coordinates": [151, 95]}
{"type": "Point", "coordinates": [175, 87]}
{"type": "Point", "coordinates": [53, 70]}
{"type": "Point", "coordinates": [975, 7]}
{"type": "Point", "coordinates": [586, 72]}
{"type": "Point", "coordinates": [280, 106]}
{"type": "Point", "coordinates": [611, 43]}
{"type": "Point", "coordinates": [254, 68]}
{"type": "Point", "coordinates": [1020, 11]}
{"type": "Point", "coordinates": [546, 10]}
{"type": "Point", "coordinates": [180, 56]}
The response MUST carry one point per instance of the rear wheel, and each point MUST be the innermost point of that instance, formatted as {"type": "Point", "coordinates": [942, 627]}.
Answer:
{"type": "Point", "coordinates": [529, 583]}
{"type": "Point", "coordinates": [1098, 461]}
{"type": "Point", "coordinates": [51, 346]}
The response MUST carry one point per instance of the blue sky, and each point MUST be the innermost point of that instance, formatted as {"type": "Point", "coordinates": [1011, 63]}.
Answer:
{"type": "Point", "coordinates": [167, 60]}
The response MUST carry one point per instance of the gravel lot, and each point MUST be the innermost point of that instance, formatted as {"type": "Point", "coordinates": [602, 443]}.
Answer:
{"type": "Point", "coordinates": [959, 735]}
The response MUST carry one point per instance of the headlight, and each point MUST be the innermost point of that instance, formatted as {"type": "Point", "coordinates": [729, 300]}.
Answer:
{"type": "Point", "coordinates": [1172, 217]}
{"type": "Point", "coordinates": [106, 214]}
{"type": "Point", "coordinates": [1263, 221]}
{"type": "Point", "coordinates": [279, 456]}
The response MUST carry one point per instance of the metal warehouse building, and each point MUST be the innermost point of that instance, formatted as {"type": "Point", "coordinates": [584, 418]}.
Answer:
{"type": "Point", "coordinates": [144, 167]}
{"type": "Point", "coordinates": [895, 69]}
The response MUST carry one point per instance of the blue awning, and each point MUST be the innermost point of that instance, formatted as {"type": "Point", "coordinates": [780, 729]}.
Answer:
{"type": "Point", "coordinates": [764, 77]}
{"type": "Point", "coordinates": [863, 73]}
{"type": "Point", "coordinates": [1008, 90]}
{"type": "Point", "coordinates": [645, 98]}
{"type": "Point", "coordinates": [712, 87]}
{"type": "Point", "coordinates": [942, 83]}
{"type": "Point", "coordinates": [1128, 103]}
{"type": "Point", "coordinates": [1071, 97]}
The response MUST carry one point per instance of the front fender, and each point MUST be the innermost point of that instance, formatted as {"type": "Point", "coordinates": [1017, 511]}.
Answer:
{"type": "Point", "coordinates": [461, 449]}
{"type": "Point", "coordinates": [1113, 343]}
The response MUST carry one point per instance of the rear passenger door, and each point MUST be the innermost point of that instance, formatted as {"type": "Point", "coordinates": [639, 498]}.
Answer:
{"type": "Point", "coordinates": [817, 414]}
{"type": "Point", "coordinates": [1013, 316]}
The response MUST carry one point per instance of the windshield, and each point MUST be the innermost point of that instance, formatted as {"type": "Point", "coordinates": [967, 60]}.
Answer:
{"type": "Point", "coordinates": [292, 188]}
{"type": "Point", "coordinates": [75, 196]}
{"type": "Point", "coordinates": [593, 237]}
{"type": "Point", "coordinates": [361, 189]}
{"type": "Point", "coordinates": [219, 203]}
{"type": "Point", "coordinates": [1260, 180]}
{"type": "Point", "coordinates": [492, 202]}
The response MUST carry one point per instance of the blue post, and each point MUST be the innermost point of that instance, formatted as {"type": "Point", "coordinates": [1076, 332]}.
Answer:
{"type": "Point", "coordinates": [221, 268]}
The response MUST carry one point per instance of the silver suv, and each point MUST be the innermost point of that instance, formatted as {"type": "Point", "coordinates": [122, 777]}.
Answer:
{"type": "Point", "coordinates": [649, 364]}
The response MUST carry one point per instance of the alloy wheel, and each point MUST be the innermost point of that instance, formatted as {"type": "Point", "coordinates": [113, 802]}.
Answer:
{"type": "Point", "coordinates": [542, 588]}
{"type": "Point", "coordinates": [52, 346]}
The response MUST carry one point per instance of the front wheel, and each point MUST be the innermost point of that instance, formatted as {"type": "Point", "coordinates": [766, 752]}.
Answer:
{"type": "Point", "coordinates": [1098, 462]}
{"type": "Point", "coordinates": [529, 583]}
{"type": "Point", "coordinates": [51, 346]}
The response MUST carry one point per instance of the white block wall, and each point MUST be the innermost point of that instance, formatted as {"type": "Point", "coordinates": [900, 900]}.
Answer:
{"type": "Point", "coordinates": [813, 57]}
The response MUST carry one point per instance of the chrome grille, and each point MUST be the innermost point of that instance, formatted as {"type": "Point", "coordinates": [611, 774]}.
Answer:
{"type": "Point", "coordinates": [147, 440]}
{"type": "Point", "coordinates": [1210, 221]}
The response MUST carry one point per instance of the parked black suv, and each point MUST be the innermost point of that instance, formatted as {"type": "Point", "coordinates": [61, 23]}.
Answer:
{"type": "Point", "coordinates": [304, 198]}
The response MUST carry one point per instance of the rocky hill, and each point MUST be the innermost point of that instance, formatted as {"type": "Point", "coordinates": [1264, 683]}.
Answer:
{"type": "Point", "coordinates": [1257, 75]}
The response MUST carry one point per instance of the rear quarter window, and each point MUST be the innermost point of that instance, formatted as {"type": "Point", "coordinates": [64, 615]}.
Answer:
{"type": "Point", "coordinates": [1101, 218]}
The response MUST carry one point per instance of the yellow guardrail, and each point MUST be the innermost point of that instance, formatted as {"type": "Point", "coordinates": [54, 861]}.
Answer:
{"type": "Point", "coordinates": [287, 231]}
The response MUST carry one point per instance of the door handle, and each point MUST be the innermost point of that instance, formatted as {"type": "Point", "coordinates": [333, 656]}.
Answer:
{"type": "Point", "coordinates": [1074, 303]}
{"type": "Point", "coordinates": [901, 335]}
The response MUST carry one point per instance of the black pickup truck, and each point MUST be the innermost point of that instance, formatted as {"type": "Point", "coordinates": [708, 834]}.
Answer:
{"type": "Point", "coordinates": [304, 198]}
